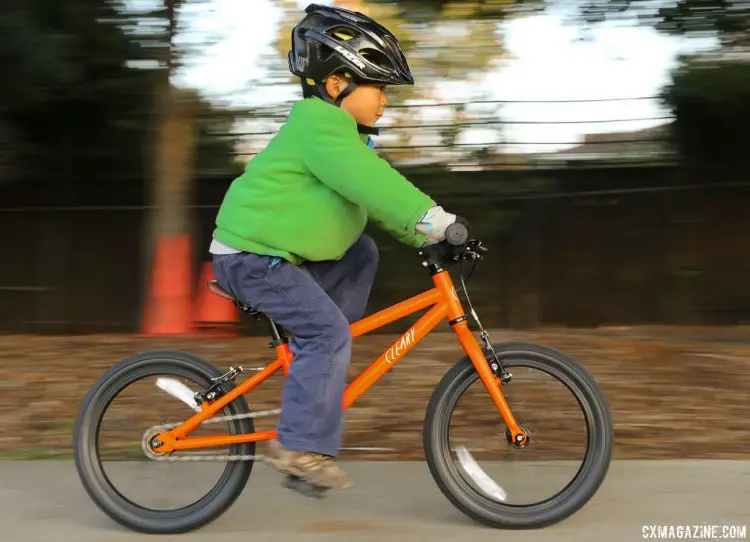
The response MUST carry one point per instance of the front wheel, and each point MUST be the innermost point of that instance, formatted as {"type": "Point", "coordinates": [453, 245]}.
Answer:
{"type": "Point", "coordinates": [489, 493]}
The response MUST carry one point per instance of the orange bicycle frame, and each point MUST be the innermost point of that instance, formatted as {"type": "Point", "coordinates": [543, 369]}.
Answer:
{"type": "Point", "coordinates": [444, 303]}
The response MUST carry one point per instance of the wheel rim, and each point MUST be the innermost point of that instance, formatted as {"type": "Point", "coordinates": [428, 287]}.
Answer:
{"type": "Point", "coordinates": [468, 489]}
{"type": "Point", "coordinates": [94, 457]}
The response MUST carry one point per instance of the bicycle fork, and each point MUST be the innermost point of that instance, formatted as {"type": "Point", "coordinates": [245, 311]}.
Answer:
{"type": "Point", "coordinates": [493, 376]}
{"type": "Point", "coordinates": [491, 370]}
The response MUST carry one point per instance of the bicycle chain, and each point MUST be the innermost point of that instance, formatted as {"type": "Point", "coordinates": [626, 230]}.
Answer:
{"type": "Point", "coordinates": [156, 429]}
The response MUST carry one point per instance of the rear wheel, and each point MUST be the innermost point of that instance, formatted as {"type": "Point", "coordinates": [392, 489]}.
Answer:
{"type": "Point", "coordinates": [97, 480]}
{"type": "Point", "coordinates": [473, 490]}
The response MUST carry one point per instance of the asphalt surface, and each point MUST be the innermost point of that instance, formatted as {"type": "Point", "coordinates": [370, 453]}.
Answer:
{"type": "Point", "coordinates": [44, 501]}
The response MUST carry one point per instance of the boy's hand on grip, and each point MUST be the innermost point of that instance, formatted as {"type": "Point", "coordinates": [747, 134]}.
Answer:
{"type": "Point", "coordinates": [434, 223]}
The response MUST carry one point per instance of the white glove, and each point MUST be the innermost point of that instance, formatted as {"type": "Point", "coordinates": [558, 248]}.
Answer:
{"type": "Point", "coordinates": [434, 223]}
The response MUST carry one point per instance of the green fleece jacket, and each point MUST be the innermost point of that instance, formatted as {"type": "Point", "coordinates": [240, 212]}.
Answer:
{"type": "Point", "coordinates": [308, 195]}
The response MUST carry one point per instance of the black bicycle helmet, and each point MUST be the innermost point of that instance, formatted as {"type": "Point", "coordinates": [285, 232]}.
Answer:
{"type": "Point", "coordinates": [332, 40]}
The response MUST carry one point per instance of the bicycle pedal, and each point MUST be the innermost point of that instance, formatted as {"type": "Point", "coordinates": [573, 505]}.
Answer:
{"type": "Point", "coordinates": [305, 488]}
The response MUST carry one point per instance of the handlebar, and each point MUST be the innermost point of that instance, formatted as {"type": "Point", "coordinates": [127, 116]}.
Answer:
{"type": "Point", "coordinates": [456, 247]}
{"type": "Point", "coordinates": [457, 234]}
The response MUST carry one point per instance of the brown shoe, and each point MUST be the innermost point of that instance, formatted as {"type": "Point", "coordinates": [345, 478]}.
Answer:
{"type": "Point", "coordinates": [316, 469]}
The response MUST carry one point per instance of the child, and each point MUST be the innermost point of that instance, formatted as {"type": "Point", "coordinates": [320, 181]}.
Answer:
{"type": "Point", "coordinates": [289, 234]}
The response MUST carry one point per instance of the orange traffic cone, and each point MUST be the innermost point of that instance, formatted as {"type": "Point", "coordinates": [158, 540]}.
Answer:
{"type": "Point", "coordinates": [167, 310]}
{"type": "Point", "coordinates": [212, 314]}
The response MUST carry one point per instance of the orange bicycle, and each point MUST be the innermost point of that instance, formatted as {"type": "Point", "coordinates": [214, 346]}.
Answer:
{"type": "Point", "coordinates": [459, 476]}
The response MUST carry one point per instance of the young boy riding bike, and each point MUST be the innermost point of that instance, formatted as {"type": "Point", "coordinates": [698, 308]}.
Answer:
{"type": "Point", "coordinates": [289, 234]}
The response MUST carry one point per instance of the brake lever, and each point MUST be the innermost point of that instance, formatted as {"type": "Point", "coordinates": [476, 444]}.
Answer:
{"type": "Point", "coordinates": [476, 244]}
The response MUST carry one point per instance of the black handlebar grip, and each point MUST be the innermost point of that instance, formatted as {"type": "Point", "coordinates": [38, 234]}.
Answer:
{"type": "Point", "coordinates": [456, 234]}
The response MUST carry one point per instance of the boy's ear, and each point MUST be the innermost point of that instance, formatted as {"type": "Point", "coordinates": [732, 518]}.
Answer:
{"type": "Point", "coordinates": [332, 86]}
{"type": "Point", "coordinates": [335, 85]}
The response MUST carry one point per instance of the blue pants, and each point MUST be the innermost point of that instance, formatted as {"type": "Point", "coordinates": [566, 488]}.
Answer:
{"type": "Point", "coordinates": [315, 302]}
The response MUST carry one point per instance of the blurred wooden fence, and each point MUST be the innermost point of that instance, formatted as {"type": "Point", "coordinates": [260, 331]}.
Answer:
{"type": "Point", "coordinates": [568, 247]}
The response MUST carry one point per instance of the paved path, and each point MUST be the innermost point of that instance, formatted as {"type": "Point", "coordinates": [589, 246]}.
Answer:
{"type": "Point", "coordinates": [44, 502]}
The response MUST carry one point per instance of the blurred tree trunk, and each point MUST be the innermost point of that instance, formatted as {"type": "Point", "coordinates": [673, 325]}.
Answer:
{"type": "Point", "coordinates": [173, 164]}
{"type": "Point", "coordinates": [175, 145]}
{"type": "Point", "coordinates": [169, 289]}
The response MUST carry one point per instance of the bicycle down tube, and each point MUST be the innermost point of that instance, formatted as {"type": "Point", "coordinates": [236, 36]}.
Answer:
{"type": "Point", "coordinates": [444, 303]}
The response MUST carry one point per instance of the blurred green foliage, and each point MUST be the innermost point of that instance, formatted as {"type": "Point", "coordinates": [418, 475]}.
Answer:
{"type": "Point", "coordinates": [443, 41]}
{"type": "Point", "coordinates": [446, 43]}
{"type": "Point", "coordinates": [709, 92]}
{"type": "Point", "coordinates": [82, 93]}
{"type": "Point", "coordinates": [728, 20]}
{"type": "Point", "coordinates": [710, 98]}
{"type": "Point", "coordinates": [71, 89]}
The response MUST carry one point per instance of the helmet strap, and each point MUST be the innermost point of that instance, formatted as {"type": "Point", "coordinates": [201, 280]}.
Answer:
{"type": "Point", "coordinates": [369, 130]}
{"type": "Point", "coordinates": [323, 93]}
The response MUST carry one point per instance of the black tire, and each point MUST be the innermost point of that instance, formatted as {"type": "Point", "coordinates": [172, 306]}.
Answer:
{"type": "Point", "coordinates": [577, 493]}
{"type": "Point", "coordinates": [97, 485]}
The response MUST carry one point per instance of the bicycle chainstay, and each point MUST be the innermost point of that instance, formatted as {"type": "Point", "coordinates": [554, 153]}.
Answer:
{"type": "Point", "coordinates": [154, 430]}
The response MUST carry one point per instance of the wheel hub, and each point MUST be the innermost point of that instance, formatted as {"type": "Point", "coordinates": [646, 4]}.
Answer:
{"type": "Point", "coordinates": [149, 442]}
{"type": "Point", "coordinates": [521, 440]}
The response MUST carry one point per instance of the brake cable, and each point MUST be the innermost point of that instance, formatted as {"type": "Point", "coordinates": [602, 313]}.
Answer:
{"type": "Point", "coordinates": [466, 292]}
{"type": "Point", "coordinates": [495, 364]}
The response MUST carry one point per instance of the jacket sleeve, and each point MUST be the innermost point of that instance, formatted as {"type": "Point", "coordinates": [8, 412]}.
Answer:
{"type": "Point", "coordinates": [336, 155]}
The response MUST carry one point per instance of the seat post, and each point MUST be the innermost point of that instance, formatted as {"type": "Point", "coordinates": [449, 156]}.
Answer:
{"type": "Point", "coordinates": [277, 333]}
